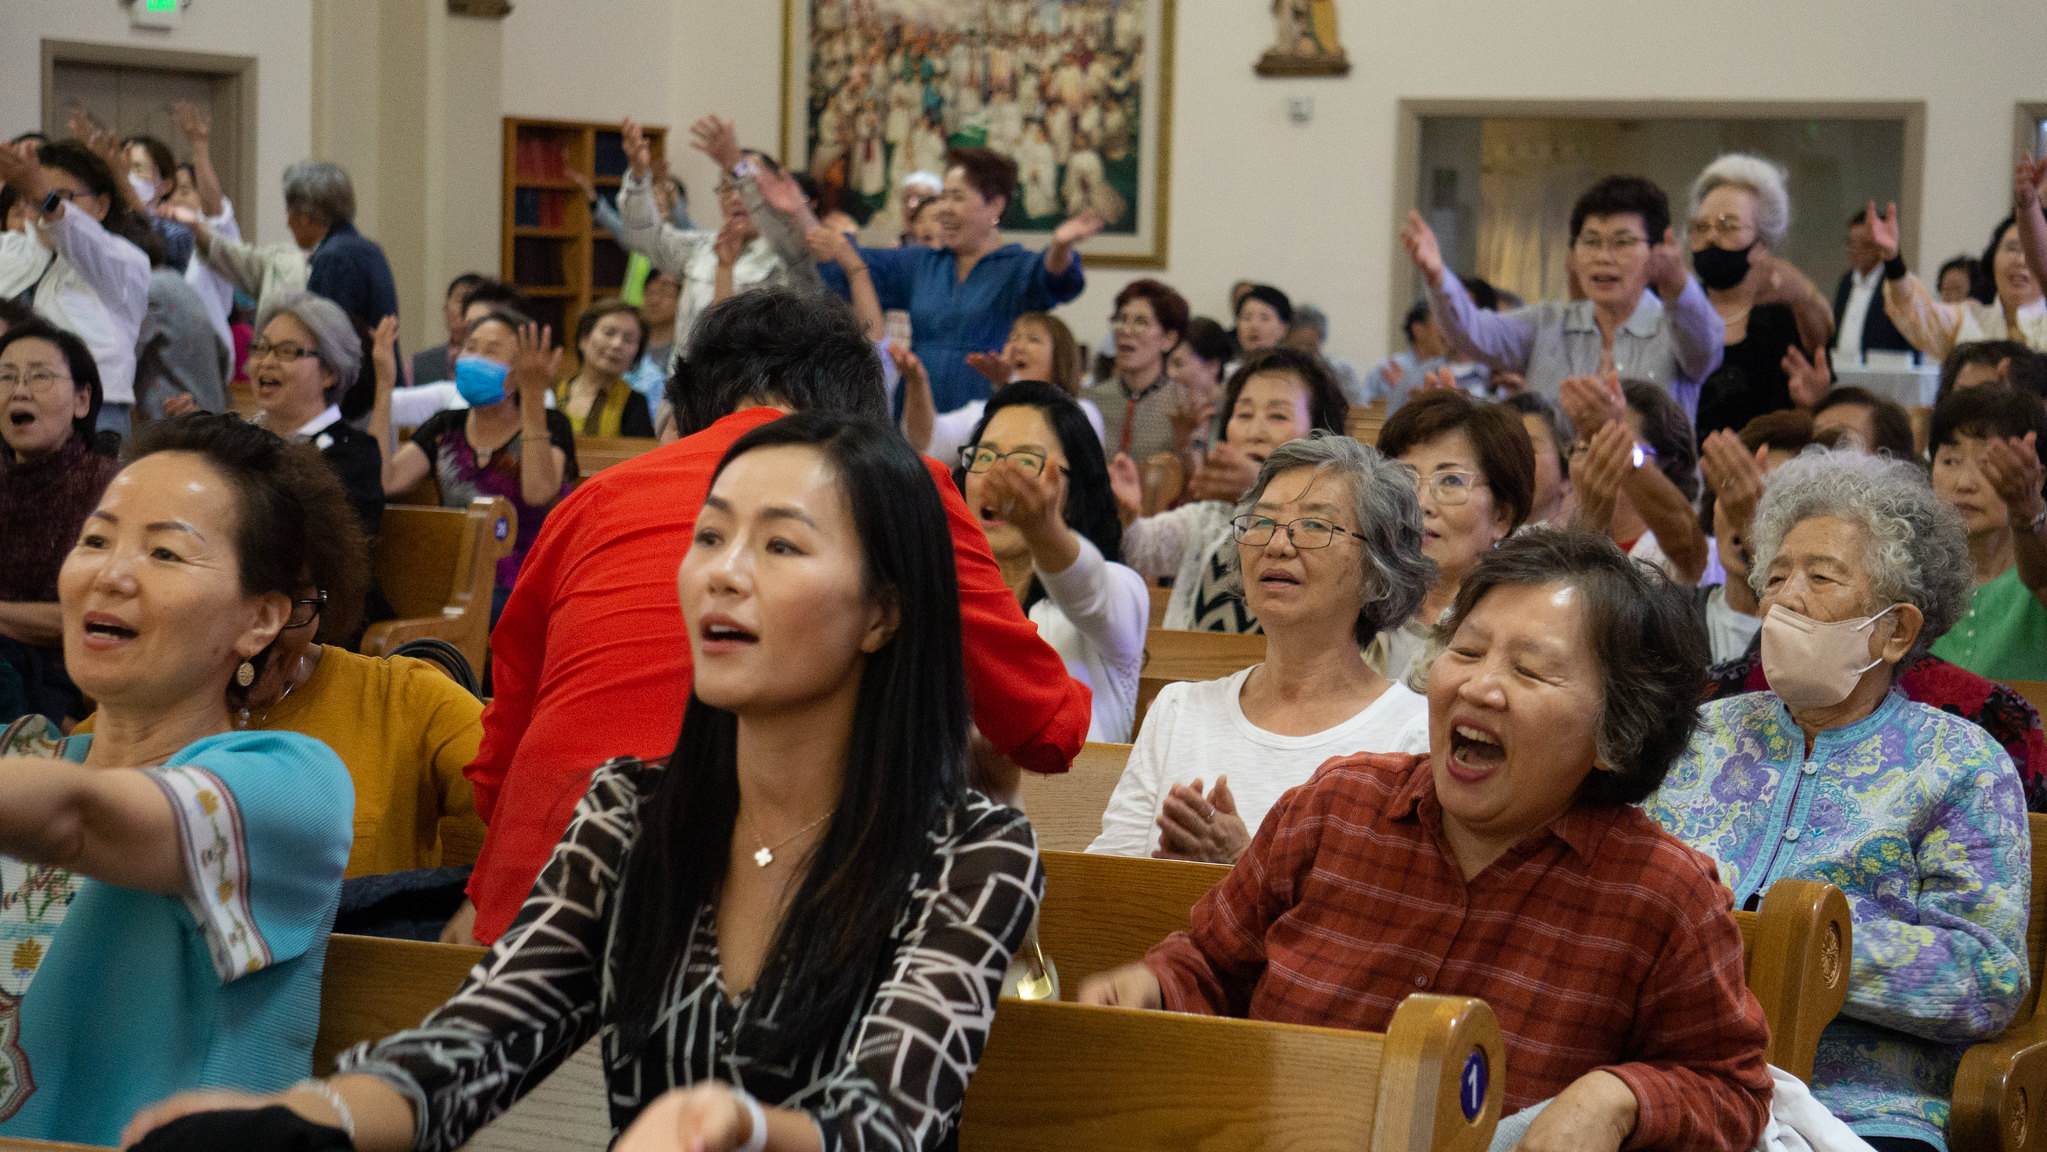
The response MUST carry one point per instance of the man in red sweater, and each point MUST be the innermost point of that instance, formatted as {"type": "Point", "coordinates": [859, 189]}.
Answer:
{"type": "Point", "coordinates": [590, 660]}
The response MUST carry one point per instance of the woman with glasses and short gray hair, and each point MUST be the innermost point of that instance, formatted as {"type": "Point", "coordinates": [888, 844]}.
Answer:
{"type": "Point", "coordinates": [304, 358]}
{"type": "Point", "coordinates": [1328, 555]}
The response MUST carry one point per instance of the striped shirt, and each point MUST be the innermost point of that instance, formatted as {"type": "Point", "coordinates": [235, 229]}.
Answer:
{"type": "Point", "coordinates": [1600, 943]}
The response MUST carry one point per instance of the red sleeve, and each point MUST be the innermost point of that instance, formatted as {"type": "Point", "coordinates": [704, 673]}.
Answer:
{"type": "Point", "coordinates": [518, 646]}
{"type": "Point", "coordinates": [1024, 702]}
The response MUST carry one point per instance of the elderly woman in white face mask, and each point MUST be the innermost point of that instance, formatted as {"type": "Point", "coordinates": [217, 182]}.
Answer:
{"type": "Point", "coordinates": [1917, 815]}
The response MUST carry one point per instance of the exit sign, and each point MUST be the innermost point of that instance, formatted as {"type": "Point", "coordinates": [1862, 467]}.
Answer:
{"type": "Point", "coordinates": [154, 13]}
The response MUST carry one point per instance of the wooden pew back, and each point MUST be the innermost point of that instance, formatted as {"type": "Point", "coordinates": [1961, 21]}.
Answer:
{"type": "Point", "coordinates": [2000, 1094]}
{"type": "Point", "coordinates": [596, 453]}
{"type": "Point", "coordinates": [1065, 1076]}
{"type": "Point", "coordinates": [1365, 421]}
{"type": "Point", "coordinates": [437, 567]}
{"type": "Point", "coordinates": [374, 987]}
{"type": "Point", "coordinates": [1066, 810]}
{"type": "Point", "coordinates": [1101, 912]}
{"type": "Point", "coordinates": [1172, 655]}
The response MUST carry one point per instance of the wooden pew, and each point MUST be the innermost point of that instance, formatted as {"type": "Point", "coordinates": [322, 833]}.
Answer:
{"type": "Point", "coordinates": [1172, 655]}
{"type": "Point", "coordinates": [437, 567]}
{"type": "Point", "coordinates": [1065, 1076]}
{"type": "Point", "coordinates": [374, 987]}
{"type": "Point", "coordinates": [1101, 912]}
{"type": "Point", "coordinates": [1922, 428]}
{"type": "Point", "coordinates": [1066, 810]}
{"type": "Point", "coordinates": [596, 453]}
{"type": "Point", "coordinates": [1161, 479]}
{"type": "Point", "coordinates": [1159, 598]}
{"type": "Point", "coordinates": [1364, 422]}
{"type": "Point", "coordinates": [2000, 1097]}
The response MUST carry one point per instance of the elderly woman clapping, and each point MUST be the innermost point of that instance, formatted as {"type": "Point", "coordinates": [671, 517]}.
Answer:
{"type": "Point", "coordinates": [1510, 864]}
{"type": "Point", "coordinates": [172, 879]}
{"type": "Point", "coordinates": [1832, 775]}
{"type": "Point", "coordinates": [1328, 554]}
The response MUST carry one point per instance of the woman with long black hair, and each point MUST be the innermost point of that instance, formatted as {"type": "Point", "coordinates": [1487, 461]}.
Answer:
{"type": "Point", "coordinates": [792, 934]}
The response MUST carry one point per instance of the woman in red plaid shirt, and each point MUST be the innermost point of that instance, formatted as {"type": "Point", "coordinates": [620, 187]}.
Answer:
{"type": "Point", "coordinates": [1513, 865]}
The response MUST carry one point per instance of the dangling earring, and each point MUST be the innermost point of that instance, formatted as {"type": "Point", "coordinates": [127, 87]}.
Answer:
{"type": "Point", "coordinates": [246, 674]}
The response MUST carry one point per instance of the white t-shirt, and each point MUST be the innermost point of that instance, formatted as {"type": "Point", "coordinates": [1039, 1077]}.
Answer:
{"type": "Point", "coordinates": [1198, 731]}
{"type": "Point", "coordinates": [1095, 615]}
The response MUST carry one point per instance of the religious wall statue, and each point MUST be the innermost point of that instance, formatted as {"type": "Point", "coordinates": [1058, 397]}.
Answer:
{"type": "Point", "coordinates": [1305, 43]}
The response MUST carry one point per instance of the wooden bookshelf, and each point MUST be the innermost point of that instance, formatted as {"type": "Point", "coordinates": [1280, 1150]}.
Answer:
{"type": "Point", "coordinates": [550, 248]}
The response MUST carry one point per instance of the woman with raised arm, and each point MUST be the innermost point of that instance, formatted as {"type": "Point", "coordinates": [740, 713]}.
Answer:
{"type": "Point", "coordinates": [963, 297]}
{"type": "Point", "coordinates": [2018, 312]}
{"type": "Point", "coordinates": [172, 880]}
{"type": "Point", "coordinates": [830, 908]}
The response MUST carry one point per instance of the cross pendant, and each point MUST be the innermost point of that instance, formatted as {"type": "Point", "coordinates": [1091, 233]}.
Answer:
{"type": "Point", "coordinates": [764, 857]}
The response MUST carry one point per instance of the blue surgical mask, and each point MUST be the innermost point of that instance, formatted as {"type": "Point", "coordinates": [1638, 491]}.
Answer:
{"type": "Point", "coordinates": [480, 380]}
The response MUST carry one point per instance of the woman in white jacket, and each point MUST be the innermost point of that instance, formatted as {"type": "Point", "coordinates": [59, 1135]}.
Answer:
{"type": "Point", "coordinates": [83, 259]}
{"type": "Point", "coordinates": [1033, 474]}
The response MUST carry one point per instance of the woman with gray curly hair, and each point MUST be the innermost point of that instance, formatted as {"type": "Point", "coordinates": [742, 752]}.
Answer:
{"type": "Point", "coordinates": [1833, 775]}
{"type": "Point", "coordinates": [1328, 555]}
{"type": "Point", "coordinates": [305, 357]}
{"type": "Point", "coordinates": [1741, 212]}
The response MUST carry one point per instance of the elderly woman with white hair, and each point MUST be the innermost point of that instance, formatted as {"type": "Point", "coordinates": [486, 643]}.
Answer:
{"type": "Point", "coordinates": [1328, 554]}
{"type": "Point", "coordinates": [1834, 775]}
{"type": "Point", "coordinates": [1741, 212]}
{"type": "Point", "coordinates": [305, 357]}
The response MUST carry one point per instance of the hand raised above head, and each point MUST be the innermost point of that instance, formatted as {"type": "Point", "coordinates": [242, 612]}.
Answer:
{"type": "Point", "coordinates": [1420, 241]}
{"type": "Point", "coordinates": [1079, 226]}
{"type": "Point", "coordinates": [1810, 380]}
{"type": "Point", "coordinates": [1883, 230]}
{"type": "Point", "coordinates": [718, 139]}
{"type": "Point", "coordinates": [638, 152]}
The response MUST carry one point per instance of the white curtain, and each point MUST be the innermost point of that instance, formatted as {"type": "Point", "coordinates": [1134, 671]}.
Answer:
{"type": "Point", "coordinates": [1532, 171]}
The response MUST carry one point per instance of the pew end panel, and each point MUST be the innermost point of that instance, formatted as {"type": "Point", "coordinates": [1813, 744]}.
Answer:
{"type": "Point", "coordinates": [373, 987]}
{"type": "Point", "coordinates": [437, 567]}
{"type": "Point", "coordinates": [2000, 1095]}
{"type": "Point", "coordinates": [1057, 1075]}
{"type": "Point", "coordinates": [1066, 809]}
{"type": "Point", "coordinates": [1795, 952]}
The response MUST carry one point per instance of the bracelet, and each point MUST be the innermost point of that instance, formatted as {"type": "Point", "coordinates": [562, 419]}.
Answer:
{"type": "Point", "coordinates": [325, 1091]}
{"type": "Point", "coordinates": [856, 270]}
{"type": "Point", "coordinates": [1894, 268]}
{"type": "Point", "coordinates": [758, 1140]}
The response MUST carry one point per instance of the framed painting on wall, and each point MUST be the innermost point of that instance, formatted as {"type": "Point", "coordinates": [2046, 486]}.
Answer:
{"type": "Point", "coordinates": [1077, 92]}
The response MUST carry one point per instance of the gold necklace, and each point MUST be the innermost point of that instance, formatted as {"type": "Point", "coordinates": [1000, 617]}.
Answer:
{"type": "Point", "coordinates": [766, 855]}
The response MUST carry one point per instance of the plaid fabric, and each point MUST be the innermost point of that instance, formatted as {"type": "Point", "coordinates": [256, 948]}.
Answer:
{"type": "Point", "coordinates": [1602, 943]}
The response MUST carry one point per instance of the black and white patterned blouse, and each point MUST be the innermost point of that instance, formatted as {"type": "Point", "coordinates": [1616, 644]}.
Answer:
{"type": "Point", "coordinates": [894, 1080]}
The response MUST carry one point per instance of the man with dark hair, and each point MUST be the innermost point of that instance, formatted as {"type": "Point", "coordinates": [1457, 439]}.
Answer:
{"type": "Point", "coordinates": [1860, 322]}
{"type": "Point", "coordinates": [2006, 363]}
{"type": "Point", "coordinates": [590, 658]}
{"type": "Point", "coordinates": [438, 362]}
{"type": "Point", "coordinates": [344, 265]}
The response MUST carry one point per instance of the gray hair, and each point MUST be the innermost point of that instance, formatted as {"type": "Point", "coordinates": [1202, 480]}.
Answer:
{"type": "Point", "coordinates": [1397, 575]}
{"type": "Point", "coordinates": [1918, 549]}
{"type": "Point", "coordinates": [334, 334]}
{"type": "Point", "coordinates": [321, 190]}
{"type": "Point", "coordinates": [1762, 177]}
{"type": "Point", "coordinates": [1309, 316]}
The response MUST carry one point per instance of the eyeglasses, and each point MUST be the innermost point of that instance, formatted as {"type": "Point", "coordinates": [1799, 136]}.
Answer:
{"type": "Point", "coordinates": [1726, 226]}
{"type": "Point", "coordinates": [978, 459]}
{"type": "Point", "coordinates": [1448, 488]}
{"type": "Point", "coordinates": [40, 383]}
{"type": "Point", "coordinates": [1619, 244]}
{"type": "Point", "coordinates": [313, 605]}
{"type": "Point", "coordinates": [285, 351]}
{"type": "Point", "coordinates": [1306, 533]}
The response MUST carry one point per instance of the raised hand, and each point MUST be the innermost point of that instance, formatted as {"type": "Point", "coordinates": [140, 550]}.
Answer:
{"type": "Point", "coordinates": [2028, 180]}
{"type": "Point", "coordinates": [583, 182]}
{"type": "Point", "coordinates": [829, 246]}
{"type": "Point", "coordinates": [384, 354]}
{"type": "Point", "coordinates": [1736, 477]}
{"type": "Point", "coordinates": [195, 126]}
{"type": "Point", "coordinates": [536, 362]}
{"type": "Point", "coordinates": [19, 170]}
{"type": "Point", "coordinates": [1079, 227]}
{"type": "Point", "coordinates": [1226, 474]}
{"type": "Point", "coordinates": [2011, 466]}
{"type": "Point", "coordinates": [1029, 503]}
{"type": "Point", "coordinates": [912, 369]}
{"type": "Point", "coordinates": [718, 139]}
{"type": "Point", "coordinates": [1883, 230]}
{"type": "Point", "coordinates": [731, 241]}
{"type": "Point", "coordinates": [1391, 372]}
{"type": "Point", "coordinates": [782, 193]}
{"type": "Point", "coordinates": [638, 153]}
{"type": "Point", "coordinates": [1440, 380]}
{"type": "Point", "coordinates": [1194, 412]}
{"type": "Point", "coordinates": [1667, 266]}
{"type": "Point", "coordinates": [1810, 379]}
{"type": "Point", "coordinates": [1597, 473]}
{"type": "Point", "coordinates": [994, 367]}
{"type": "Point", "coordinates": [1422, 248]}
{"type": "Point", "coordinates": [180, 404]}
{"type": "Point", "coordinates": [1128, 486]}
{"type": "Point", "coordinates": [1592, 402]}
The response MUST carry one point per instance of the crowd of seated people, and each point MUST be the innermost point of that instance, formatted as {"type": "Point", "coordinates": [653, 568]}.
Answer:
{"type": "Point", "coordinates": [1629, 609]}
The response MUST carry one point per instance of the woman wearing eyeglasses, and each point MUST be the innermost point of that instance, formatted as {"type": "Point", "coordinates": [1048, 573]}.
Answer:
{"type": "Point", "coordinates": [1621, 246]}
{"type": "Point", "coordinates": [1328, 553]}
{"type": "Point", "coordinates": [1473, 468]}
{"type": "Point", "coordinates": [305, 357]}
{"type": "Point", "coordinates": [170, 879]}
{"type": "Point", "coordinates": [1034, 474]}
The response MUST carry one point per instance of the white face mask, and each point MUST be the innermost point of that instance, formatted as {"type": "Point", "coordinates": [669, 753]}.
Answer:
{"type": "Point", "coordinates": [1815, 665]}
{"type": "Point", "coordinates": [143, 189]}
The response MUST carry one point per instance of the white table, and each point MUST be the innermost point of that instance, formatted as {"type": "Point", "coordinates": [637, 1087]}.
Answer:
{"type": "Point", "coordinates": [1895, 376]}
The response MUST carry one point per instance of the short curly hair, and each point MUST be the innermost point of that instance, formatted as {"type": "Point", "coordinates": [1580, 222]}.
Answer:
{"type": "Point", "coordinates": [1647, 638]}
{"type": "Point", "coordinates": [1397, 575]}
{"type": "Point", "coordinates": [1764, 179]}
{"type": "Point", "coordinates": [1918, 549]}
{"type": "Point", "coordinates": [295, 530]}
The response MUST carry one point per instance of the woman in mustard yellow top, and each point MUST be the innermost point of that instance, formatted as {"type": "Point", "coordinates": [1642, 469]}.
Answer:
{"type": "Point", "coordinates": [598, 400]}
